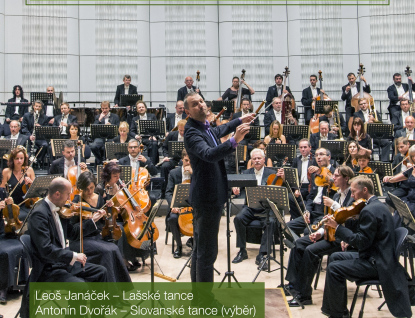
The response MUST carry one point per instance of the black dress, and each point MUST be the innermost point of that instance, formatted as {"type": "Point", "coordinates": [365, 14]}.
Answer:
{"type": "Point", "coordinates": [17, 195]}
{"type": "Point", "coordinates": [365, 142]}
{"type": "Point", "coordinates": [100, 251]}
{"type": "Point", "coordinates": [230, 94]}
{"type": "Point", "coordinates": [10, 251]}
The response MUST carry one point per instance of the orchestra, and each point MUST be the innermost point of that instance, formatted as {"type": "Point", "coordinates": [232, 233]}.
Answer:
{"type": "Point", "coordinates": [98, 214]}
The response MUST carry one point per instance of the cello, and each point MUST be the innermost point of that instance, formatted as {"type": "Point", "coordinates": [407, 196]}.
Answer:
{"type": "Point", "coordinates": [75, 171]}
{"type": "Point", "coordinates": [315, 121]}
{"type": "Point", "coordinates": [139, 182]}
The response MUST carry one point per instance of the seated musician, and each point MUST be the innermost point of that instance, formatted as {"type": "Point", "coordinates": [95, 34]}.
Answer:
{"type": "Point", "coordinates": [358, 133]}
{"type": "Point", "coordinates": [367, 117]}
{"type": "Point", "coordinates": [363, 162]}
{"type": "Point", "coordinates": [149, 142]}
{"type": "Point", "coordinates": [16, 135]}
{"type": "Point", "coordinates": [74, 132]}
{"type": "Point", "coordinates": [277, 113]}
{"type": "Point", "coordinates": [309, 249]}
{"type": "Point", "coordinates": [302, 163]}
{"type": "Point", "coordinates": [69, 159]}
{"type": "Point", "coordinates": [314, 203]}
{"type": "Point", "coordinates": [374, 239]}
{"type": "Point", "coordinates": [177, 176]}
{"type": "Point", "coordinates": [189, 87]}
{"type": "Point", "coordinates": [232, 92]}
{"type": "Point", "coordinates": [323, 134]}
{"type": "Point", "coordinates": [246, 108]}
{"type": "Point", "coordinates": [408, 131]}
{"type": "Point", "coordinates": [331, 117]}
{"type": "Point", "coordinates": [400, 165]}
{"type": "Point", "coordinates": [36, 117]}
{"type": "Point", "coordinates": [99, 250]}
{"type": "Point", "coordinates": [18, 162]}
{"type": "Point", "coordinates": [398, 117]}
{"type": "Point", "coordinates": [276, 90]}
{"type": "Point", "coordinates": [259, 144]}
{"type": "Point", "coordinates": [134, 156]}
{"type": "Point", "coordinates": [64, 120]}
{"type": "Point", "coordinates": [15, 112]}
{"type": "Point", "coordinates": [10, 250]}
{"type": "Point", "coordinates": [351, 159]}
{"type": "Point", "coordinates": [275, 135]}
{"type": "Point", "coordinates": [173, 118]}
{"type": "Point", "coordinates": [169, 163]}
{"type": "Point", "coordinates": [124, 133]}
{"type": "Point", "coordinates": [247, 214]}
{"type": "Point", "coordinates": [309, 95]}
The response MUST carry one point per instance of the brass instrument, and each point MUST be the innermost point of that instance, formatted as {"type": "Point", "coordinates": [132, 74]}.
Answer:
{"type": "Point", "coordinates": [374, 113]}
{"type": "Point", "coordinates": [336, 118]}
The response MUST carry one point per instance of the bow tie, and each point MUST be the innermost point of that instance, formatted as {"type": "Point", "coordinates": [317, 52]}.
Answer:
{"type": "Point", "coordinates": [304, 158]}
{"type": "Point", "coordinates": [354, 85]}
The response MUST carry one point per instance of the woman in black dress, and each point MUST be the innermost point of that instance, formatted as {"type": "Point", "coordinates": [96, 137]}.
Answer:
{"type": "Point", "coordinates": [275, 134]}
{"type": "Point", "coordinates": [364, 139]}
{"type": "Point", "coordinates": [99, 251]}
{"type": "Point", "coordinates": [124, 135]}
{"type": "Point", "coordinates": [232, 92]}
{"type": "Point", "coordinates": [74, 135]}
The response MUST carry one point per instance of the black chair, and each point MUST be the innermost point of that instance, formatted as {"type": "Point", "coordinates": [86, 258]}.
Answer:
{"type": "Point", "coordinates": [400, 236]}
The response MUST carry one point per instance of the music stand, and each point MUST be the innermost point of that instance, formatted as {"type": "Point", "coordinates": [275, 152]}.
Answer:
{"type": "Point", "coordinates": [47, 132]}
{"type": "Point", "coordinates": [175, 149]}
{"type": "Point", "coordinates": [296, 132]}
{"type": "Point", "coordinates": [130, 99]}
{"type": "Point", "coordinates": [6, 146]}
{"type": "Point", "coordinates": [152, 127]}
{"type": "Point", "coordinates": [240, 156]}
{"type": "Point", "coordinates": [383, 169]}
{"type": "Point", "coordinates": [217, 106]}
{"type": "Point", "coordinates": [125, 173]}
{"type": "Point", "coordinates": [254, 133]}
{"type": "Point", "coordinates": [318, 109]}
{"type": "Point", "coordinates": [376, 183]}
{"type": "Point", "coordinates": [380, 131]}
{"type": "Point", "coordinates": [115, 150]}
{"type": "Point", "coordinates": [278, 152]}
{"type": "Point", "coordinates": [104, 131]}
{"type": "Point", "coordinates": [46, 98]}
{"type": "Point", "coordinates": [234, 181]}
{"type": "Point", "coordinates": [338, 148]}
{"type": "Point", "coordinates": [57, 147]}
{"type": "Point", "coordinates": [402, 208]}
{"type": "Point", "coordinates": [291, 176]}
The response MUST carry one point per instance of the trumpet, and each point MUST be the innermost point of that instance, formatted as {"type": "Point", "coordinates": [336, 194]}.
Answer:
{"type": "Point", "coordinates": [373, 112]}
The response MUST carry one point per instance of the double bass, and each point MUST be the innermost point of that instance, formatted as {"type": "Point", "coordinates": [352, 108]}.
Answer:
{"type": "Point", "coordinates": [288, 101]}
{"type": "Point", "coordinates": [409, 95]}
{"type": "Point", "coordinates": [315, 121]}
{"type": "Point", "coordinates": [239, 97]}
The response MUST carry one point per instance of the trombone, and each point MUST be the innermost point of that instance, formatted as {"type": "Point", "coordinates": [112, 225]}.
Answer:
{"type": "Point", "coordinates": [336, 119]}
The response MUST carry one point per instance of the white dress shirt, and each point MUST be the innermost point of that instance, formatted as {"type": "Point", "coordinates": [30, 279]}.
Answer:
{"type": "Point", "coordinates": [126, 88]}
{"type": "Point", "coordinates": [366, 115]}
{"type": "Point", "coordinates": [185, 175]}
{"type": "Point", "coordinates": [404, 115]}
{"type": "Point", "coordinates": [353, 89]}
{"type": "Point", "coordinates": [177, 118]}
{"type": "Point", "coordinates": [16, 108]}
{"type": "Point", "coordinates": [400, 90]}
{"type": "Point", "coordinates": [278, 116]}
{"type": "Point", "coordinates": [314, 91]}
{"type": "Point", "coordinates": [64, 119]}
{"type": "Point", "coordinates": [258, 175]}
{"type": "Point", "coordinates": [180, 137]}
{"type": "Point", "coordinates": [410, 134]}
{"type": "Point", "coordinates": [304, 168]}
{"type": "Point", "coordinates": [67, 165]}
{"type": "Point", "coordinates": [279, 90]}
{"type": "Point", "coordinates": [144, 117]}
{"type": "Point", "coordinates": [133, 162]}
{"type": "Point", "coordinates": [12, 137]}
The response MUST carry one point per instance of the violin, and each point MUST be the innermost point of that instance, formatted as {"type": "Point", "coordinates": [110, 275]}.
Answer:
{"type": "Point", "coordinates": [111, 230]}
{"type": "Point", "coordinates": [71, 209]}
{"type": "Point", "coordinates": [25, 187]}
{"type": "Point", "coordinates": [273, 179]}
{"type": "Point", "coordinates": [366, 170]}
{"type": "Point", "coordinates": [12, 224]}
{"type": "Point", "coordinates": [324, 178]}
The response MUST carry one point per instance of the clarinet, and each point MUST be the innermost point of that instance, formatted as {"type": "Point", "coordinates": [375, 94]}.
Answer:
{"type": "Point", "coordinates": [33, 150]}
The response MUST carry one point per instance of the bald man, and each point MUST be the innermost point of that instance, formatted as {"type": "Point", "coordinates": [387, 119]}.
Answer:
{"type": "Point", "coordinates": [182, 92]}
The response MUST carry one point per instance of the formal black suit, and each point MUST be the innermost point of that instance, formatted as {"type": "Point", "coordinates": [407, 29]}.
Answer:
{"type": "Point", "coordinates": [10, 109]}
{"type": "Point", "coordinates": [307, 100]}
{"type": "Point", "coordinates": [121, 91]}
{"type": "Point", "coordinates": [247, 215]}
{"type": "Point", "coordinates": [125, 161]}
{"type": "Point", "coordinates": [397, 120]}
{"type": "Point", "coordinates": [182, 92]}
{"type": "Point", "coordinates": [71, 119]}
{"type": "Point", "coordinates": [58, 165]}
{"type": "Point", "coordinates": [166, 166]}
{"type": "Point", "coordinates": [272, 92]}
{"type": "Point", "coordinates": [343, 125]}
{"type": "Point", "coordinates": [375, 242]}
{"type": "Point", "coordinates": [402, 188]}
{"type": "Point", "coordinates": [208, 193]}
{"type": "Point", "coordinates": [21, 140]}
{"type": "Point", "coordinates": [347, 97]}
{"type": "Point", "coordinates": [171, 119]}
{"type": "Point", "coordinates": [306, 255]}
{"type": "Point", "coordinates": [402, 133]}
{"type": "Point", "coordinates": [394, 97]}
{"type": "Point", "coordinates": [98, 146]}
{"type": "Point", "coordinates": [269, 117]}
{"type": "Point", "coordinates": [315, 138]}
{"type": "Point", "coordinates": [28, 124]}
{"type": "Point", "coordinates": [152, 145]}
{"type": "Point", "coordinates": [297, 163]}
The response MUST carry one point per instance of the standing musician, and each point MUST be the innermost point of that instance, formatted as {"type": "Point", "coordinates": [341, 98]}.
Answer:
{"type": "Point", "coordinates": [36, 117]}
{"type": "Point", "coordinates": [232, 92]}
{"type": "Point", "coordinates": [309, 249]}
{"type": "Point", "coordinates": [358, 133]}
{"type": "Point", "coordinates": [96, 248]}
{"type": "Point", "coordinates": [16, 135]}
{"type": "Point", "coordinates": [177, 176]}
{"type": "Point", "coordinates": [323, 134]}
{"type": "Point", "coordinates": [247, 214]}
{"type": "Point", "coordinates": [302, 163]}
{"type": "Point", "coordinates": [275, 134]}
{"type": "Point", "coordinates": [310, 94]}
{"type": "Point", "coordinates": [206, 155]}
{"type": "Point", "coordinates": [246, 108]}
{"type": "Point", "coordinates": [173, 118]}
{"type": "Point", "coordinates": [124, 133]}
{"type": "Point", "coordinates": [276, 90]}
{"type": "Point", "coordinates": [57, 101]}
{"type": "Point", "coordinates": [15, 112]}
{"type": "Point", "coordinates": [367, 117]}
{"type": "Point", "coordinates": [105, 118]}
{"type": "Point", "coordinates": [351, 89]}
{"type": "Point", "coordinates": [64, 120]}
{"type": "Point", "coordinates": [125, 89]}
{"type": "Point", "coordinates": [407, 132]}
{"type": "Point", "coordinates": [398, 117]}
{"type": "Point", "coordinates": [69, 159]}
{"type": "Point", "coordinates": [396, 92]}
{"type": "Point", "coordinates": [375, 259]}
{"type": "Point", "coordinates": [331, 117]}
{"type": "Point", "coordinates": [189, 87]}
{"type": "Point", "coordinates": [314, 203]}
{"type": "Point", "coordinates": [169, 163]}
{"type": "Point", "coordinates": [18, 162]}
{"type": "Point", "coordinates": [277, 113]}
{"type": "Point", "coordinates": [149, 142]}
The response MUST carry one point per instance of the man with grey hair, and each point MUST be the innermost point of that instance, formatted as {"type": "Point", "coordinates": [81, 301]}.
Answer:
{"type": "Point", "coordinates": [323, 134]}
{"type": "Point", "coordinates": [21, 139]}
{"type": "Point", "coordinates": [247, 214]}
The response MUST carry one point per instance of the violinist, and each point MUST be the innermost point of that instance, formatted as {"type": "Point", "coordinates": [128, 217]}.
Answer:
{"type": "Point", "coordinates": [134, 155]}
{"type": "Point", "coordinates": [105, 118]}
{"type": "Point", "coordinates": [398, 117]}
{"type": "Point", "coordinates": [15, 112]}
{"type": "Point", "coordinates": [69, 159]}
{"type": "Point", "coordinates": [15, 173]}
{"type": "Point", "coordinates": [396, 92]}
{"type": "Point", "coordinates": [309, 249]}
{"type": "Point", "coordinates": [358, 133]}
{"type": "Point", "coordinates": [232, 92]}
{"type": "Point", "coordinates": [351, 160]}
{"type": "Point", "coordinates": [177, 176]}
{"type": "Point", "coordinates": [375, 258]}
{"type": "Point", "coordinates": [10, 249]}
{"type": "Point", "coordinates": [96, 248]}
{"type": "Point", "coordinates": [64, 120]}
{"type": "Point", "coordinates": [363, 162]}
{"type": "Point", "coordinates": [124, 135]}
{"type": "Point", "coordinates": [74, 132]}
{"type": "Point", "coordinates": [331, 117]}
{"type": "Point", "coordinates": [276, 90]}
{"type": "Point", "coordinates": [247, 214]}
{"type": "Point", "coordinates": [309, 95]}
{"type": "Point", "coordinates": [323, 134]}
{"type": "Point", "coordinates": [314, 203]}
{"type": "Point", "coordinates": [277, 113]}
{"type": "Point", "coordinates": [408, 131]}
{"type": "Point", "coordinates": [275, 134]}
